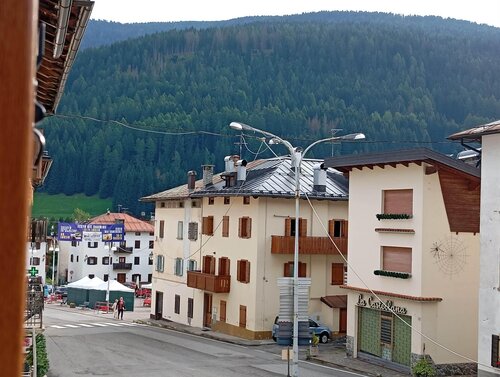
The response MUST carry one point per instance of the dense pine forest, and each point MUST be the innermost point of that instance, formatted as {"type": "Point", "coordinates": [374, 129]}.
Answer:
{"type": "Point", "coordinates": [161, 103]}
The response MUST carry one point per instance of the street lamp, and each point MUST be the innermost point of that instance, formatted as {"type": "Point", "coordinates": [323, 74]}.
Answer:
{"type": "Point", "coordinates": [296, 155]}
{"type": "Point", "coordinates": [54, 248]}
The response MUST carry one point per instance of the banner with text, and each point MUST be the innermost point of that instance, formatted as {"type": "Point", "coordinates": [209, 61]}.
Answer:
{"type": "Point", "coordinates": [91, 232]}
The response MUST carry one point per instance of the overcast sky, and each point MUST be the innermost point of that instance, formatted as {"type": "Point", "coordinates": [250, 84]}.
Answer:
{"type": "Point", "coordinates": [480, 11]}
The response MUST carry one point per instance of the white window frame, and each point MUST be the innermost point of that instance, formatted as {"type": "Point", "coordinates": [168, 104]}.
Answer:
{"type": "Point", "coordinates": [192, 264]}
{"type": "Point", "coordinates": [178, 267]}
{"type": "Point", "coordinates": [160, 263]}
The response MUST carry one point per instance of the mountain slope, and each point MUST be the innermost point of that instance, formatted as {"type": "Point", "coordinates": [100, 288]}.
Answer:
{"type": "Point", "coordinates": [401, 80]}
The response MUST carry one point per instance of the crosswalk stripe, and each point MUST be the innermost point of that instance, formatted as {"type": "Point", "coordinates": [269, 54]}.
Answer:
{"type": "Point", "coordinates": [58, 327]}
{"type": "Point", "coordinates": [99, 324]}
{"type": "Point", "coordinates": [72, 326]}
{"type": "Point", "coordinates": [128, 324]}
{"type": "Point", "coordinates": [113, 324]}
{"type": "Point", "coordinates": [84, 325]}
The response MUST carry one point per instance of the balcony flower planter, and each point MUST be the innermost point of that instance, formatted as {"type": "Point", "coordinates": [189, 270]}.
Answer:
{"type": "Point", "coordinates": [393, 216]}
{"type": "Point", "coordinates": [393, 274]}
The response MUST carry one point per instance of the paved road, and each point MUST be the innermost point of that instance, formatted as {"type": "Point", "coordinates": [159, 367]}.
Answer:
{"type": "Point", "coordinates": [80, 344]}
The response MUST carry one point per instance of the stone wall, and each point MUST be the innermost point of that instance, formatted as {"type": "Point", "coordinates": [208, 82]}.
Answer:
{"type": "Point", "coordinates": [458, 369]}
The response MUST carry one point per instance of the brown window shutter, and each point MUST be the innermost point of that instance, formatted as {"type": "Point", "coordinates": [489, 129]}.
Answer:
{"type": "Point", "coordinates": [344, 228]}
{"type": "Point", "coordinates": [210, 226]}
{"type": "Point", "coordinates": [247, 271]}
{"type": "Point", "coordinates": [240, 226]}
{"type": "Point", "coordinates": [288, 226]}
{"type": "Point", "coordinates": [495, 351]}
{"type": "Point", "coordinates": [206, 264]}
{"type": "Point", "coordinates": [204, 225]}
{"type": "Point", "coordinates": [330, 227]}
{"type": "Point", "coordinates": [398, 201]}
{"type": "Point", "coordinates": [286, 270]}
{"type": "Point", "coordinates": [302, 227]}
{"type": "Point", "coordinates": [249, 227]}
{"type": "Point", "coordinates": [212, 265]}
{"type": "Point", "coordinates": [238, 270]}
{"type": "Point", "coordinates": [337, 273]}
{"type": "Point", "coordinates": [396, 259]}
{"type": "Point", "coordinates": [225, 226]}
{"type": "Point", "coordinates": [302, 270]}
{"type": "Point", "coordinates": [162, 228]}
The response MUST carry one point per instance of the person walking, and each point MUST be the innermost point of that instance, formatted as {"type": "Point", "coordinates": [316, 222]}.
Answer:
{"type": "Point", "coordinates": [121, 307]}
{"type": "Point", "coordinates": [115, 308]}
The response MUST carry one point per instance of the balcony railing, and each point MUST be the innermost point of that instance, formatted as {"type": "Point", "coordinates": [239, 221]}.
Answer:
{"type": "Point", "coordinates": [308, 245]}
{"type": "Point", "coordinates": [122, 266]}
{"type": "Point", "coordinates": [123, 249]}
{"type": "Point", "coordinates": [208, 282]}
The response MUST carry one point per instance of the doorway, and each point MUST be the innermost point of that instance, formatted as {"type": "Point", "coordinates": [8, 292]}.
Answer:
{"type": "Point", "coordinates": [207, 310]}
{"type": "Point", "coordinates": [121, 278]}
{"type": "Point", "coordinates": [159, 305]}
{"type": "Point", "coordinates": [343, 320]}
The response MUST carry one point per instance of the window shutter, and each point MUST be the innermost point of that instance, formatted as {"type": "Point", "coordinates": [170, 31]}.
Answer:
{"type": "Point", "coordinates": [330, 227]}
{"type": "Point", "coordinates": [288, 226]}
{"type": "Point", "coordinates": [210, 226]}
{"type": "Point", "coordinates": [193, 231]}
{"type": "Point", "coordinates": [344, 228]}
{"type": "Point", "coordinates": [286, 270]}
{"type": "Point", "coordinates": [190, 307]}
{"type": "Point", "coordinates": [337, 273]}
{"type": "Point", "coordinates": [302, 270]}
{"type": "Point", "coordinates": [240, 226]}
{"type": "Point", "coordinates": [398, 201]}
{"type": "Point", "coordinates": [495, 352]}
{"type": "Point", "coordinates": [206, 264]}
{"type": "Point", "coordinates": [225, 226]}
{"type": "Point", "coordinates": [238, 270]}
{"type": "Point", "coordinates": [204, 225]}
{"type": "Point", "coordinates": [212, 265]}
{"type": "Point", "coordinates": [248, 227]}
{"type": "Point", "coordinates": [396, 259]}
{"type": "Point", "coordinates": [162, 228]}
{"type": "Point", "coordinates": [302, 227]}
{"type": "Point", "coordinates": [243, 316]}
{"type": "Point", "coordinates": [247, 271]}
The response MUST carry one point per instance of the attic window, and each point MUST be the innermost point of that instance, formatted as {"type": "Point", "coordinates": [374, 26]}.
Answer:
{"type": "Point", "coordinates": [162, 204]}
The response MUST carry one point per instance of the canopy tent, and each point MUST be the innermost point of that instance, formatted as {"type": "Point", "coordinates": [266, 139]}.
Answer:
{"type": "Point", "coordinates": [150, 286]}
{"type": "Point", "coordinates": [113, 286]}
{"type": "Point", "coordinates": [86, 283]}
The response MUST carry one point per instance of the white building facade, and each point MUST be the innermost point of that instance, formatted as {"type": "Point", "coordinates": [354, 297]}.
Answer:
{"type": "Point", "coordinates": [414, 247]}
{"type": "Point", "coordinates": [488, 136]}
{"type": "Point", "coordinates": [128, 261]}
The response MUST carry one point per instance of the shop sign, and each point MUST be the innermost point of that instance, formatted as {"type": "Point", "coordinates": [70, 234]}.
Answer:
{"type": "Point", "coordinates": [379, 305]}
{"type": "Point", "coordinates": [91, 232]}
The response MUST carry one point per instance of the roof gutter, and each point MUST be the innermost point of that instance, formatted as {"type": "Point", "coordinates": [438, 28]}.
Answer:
{"type": "Point", "coordinates": [62, 26]}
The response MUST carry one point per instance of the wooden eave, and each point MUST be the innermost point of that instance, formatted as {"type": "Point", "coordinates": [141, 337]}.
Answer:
{"type": "Point", "coordinates": [460, 183]}
{"type": "Point", "coordinates": [52, 73]}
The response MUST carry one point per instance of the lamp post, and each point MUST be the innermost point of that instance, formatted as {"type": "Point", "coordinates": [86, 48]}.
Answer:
{"type": "Point", "coordinates": [54, 248]}
{"type": "Point", "coordinates": [296, 156]}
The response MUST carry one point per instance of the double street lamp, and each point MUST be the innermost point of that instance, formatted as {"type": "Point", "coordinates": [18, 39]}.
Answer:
{"type": "Point", "coordinates": [296, 156]}
{"type": "Point", "coordinates": [54, 248]}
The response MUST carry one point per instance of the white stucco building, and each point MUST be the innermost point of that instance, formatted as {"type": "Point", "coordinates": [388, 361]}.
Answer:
{"type": "Point", "coordinates": [413, 253]}
{"type": "Point", "coordinates": [36, 255]}
{"type": "Point", "coordinates": [222, 242]}
{"type": "Point", "coordinates": [488, 135]}
{"type": "Point", "coordinates": [128, 261]}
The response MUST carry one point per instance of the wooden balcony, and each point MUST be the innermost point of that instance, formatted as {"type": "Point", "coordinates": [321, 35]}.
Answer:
{"type": "Point", "coordinates": [122, 266]}
{"type": "Point", "coordinates": [308, 245]}
{"type": "Point", "coordinates": [208, 282]}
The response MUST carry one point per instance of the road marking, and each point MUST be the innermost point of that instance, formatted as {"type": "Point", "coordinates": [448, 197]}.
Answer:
{"type": "Point", "coordinates": [72, 326]}
{"type": "Point", "coordinates": [113, 324]}
{"type": "Point", "coordinates": [100, 325]}
{"type": "Point", "coordinates": [129, 324]}
{"type": "Point", "coordinates": [58, 327]}
{"type": "Point", "coordinates": [84, 325]}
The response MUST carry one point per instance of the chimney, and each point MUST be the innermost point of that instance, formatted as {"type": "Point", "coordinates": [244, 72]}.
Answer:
{"type": "Point", "coordinates": [191, 180]}
{"type": "Point", "coordinates": [228, 164]}
{"type": "Point", "coordinates": [319, 178]}
{"type": "Point", "coordinates": [208, 175]}
{"type": "Point", "coordinates": [241, 171]}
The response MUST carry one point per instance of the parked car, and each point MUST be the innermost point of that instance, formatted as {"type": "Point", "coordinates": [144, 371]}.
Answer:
{"type": "Point", "coordinates": [62, 290]}
{"type": "Point", "coordinates": [322, 332]}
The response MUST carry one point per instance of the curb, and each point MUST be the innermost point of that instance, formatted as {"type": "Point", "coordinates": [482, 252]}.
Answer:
{"type": "Point", "coordinates": [202, 334]}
